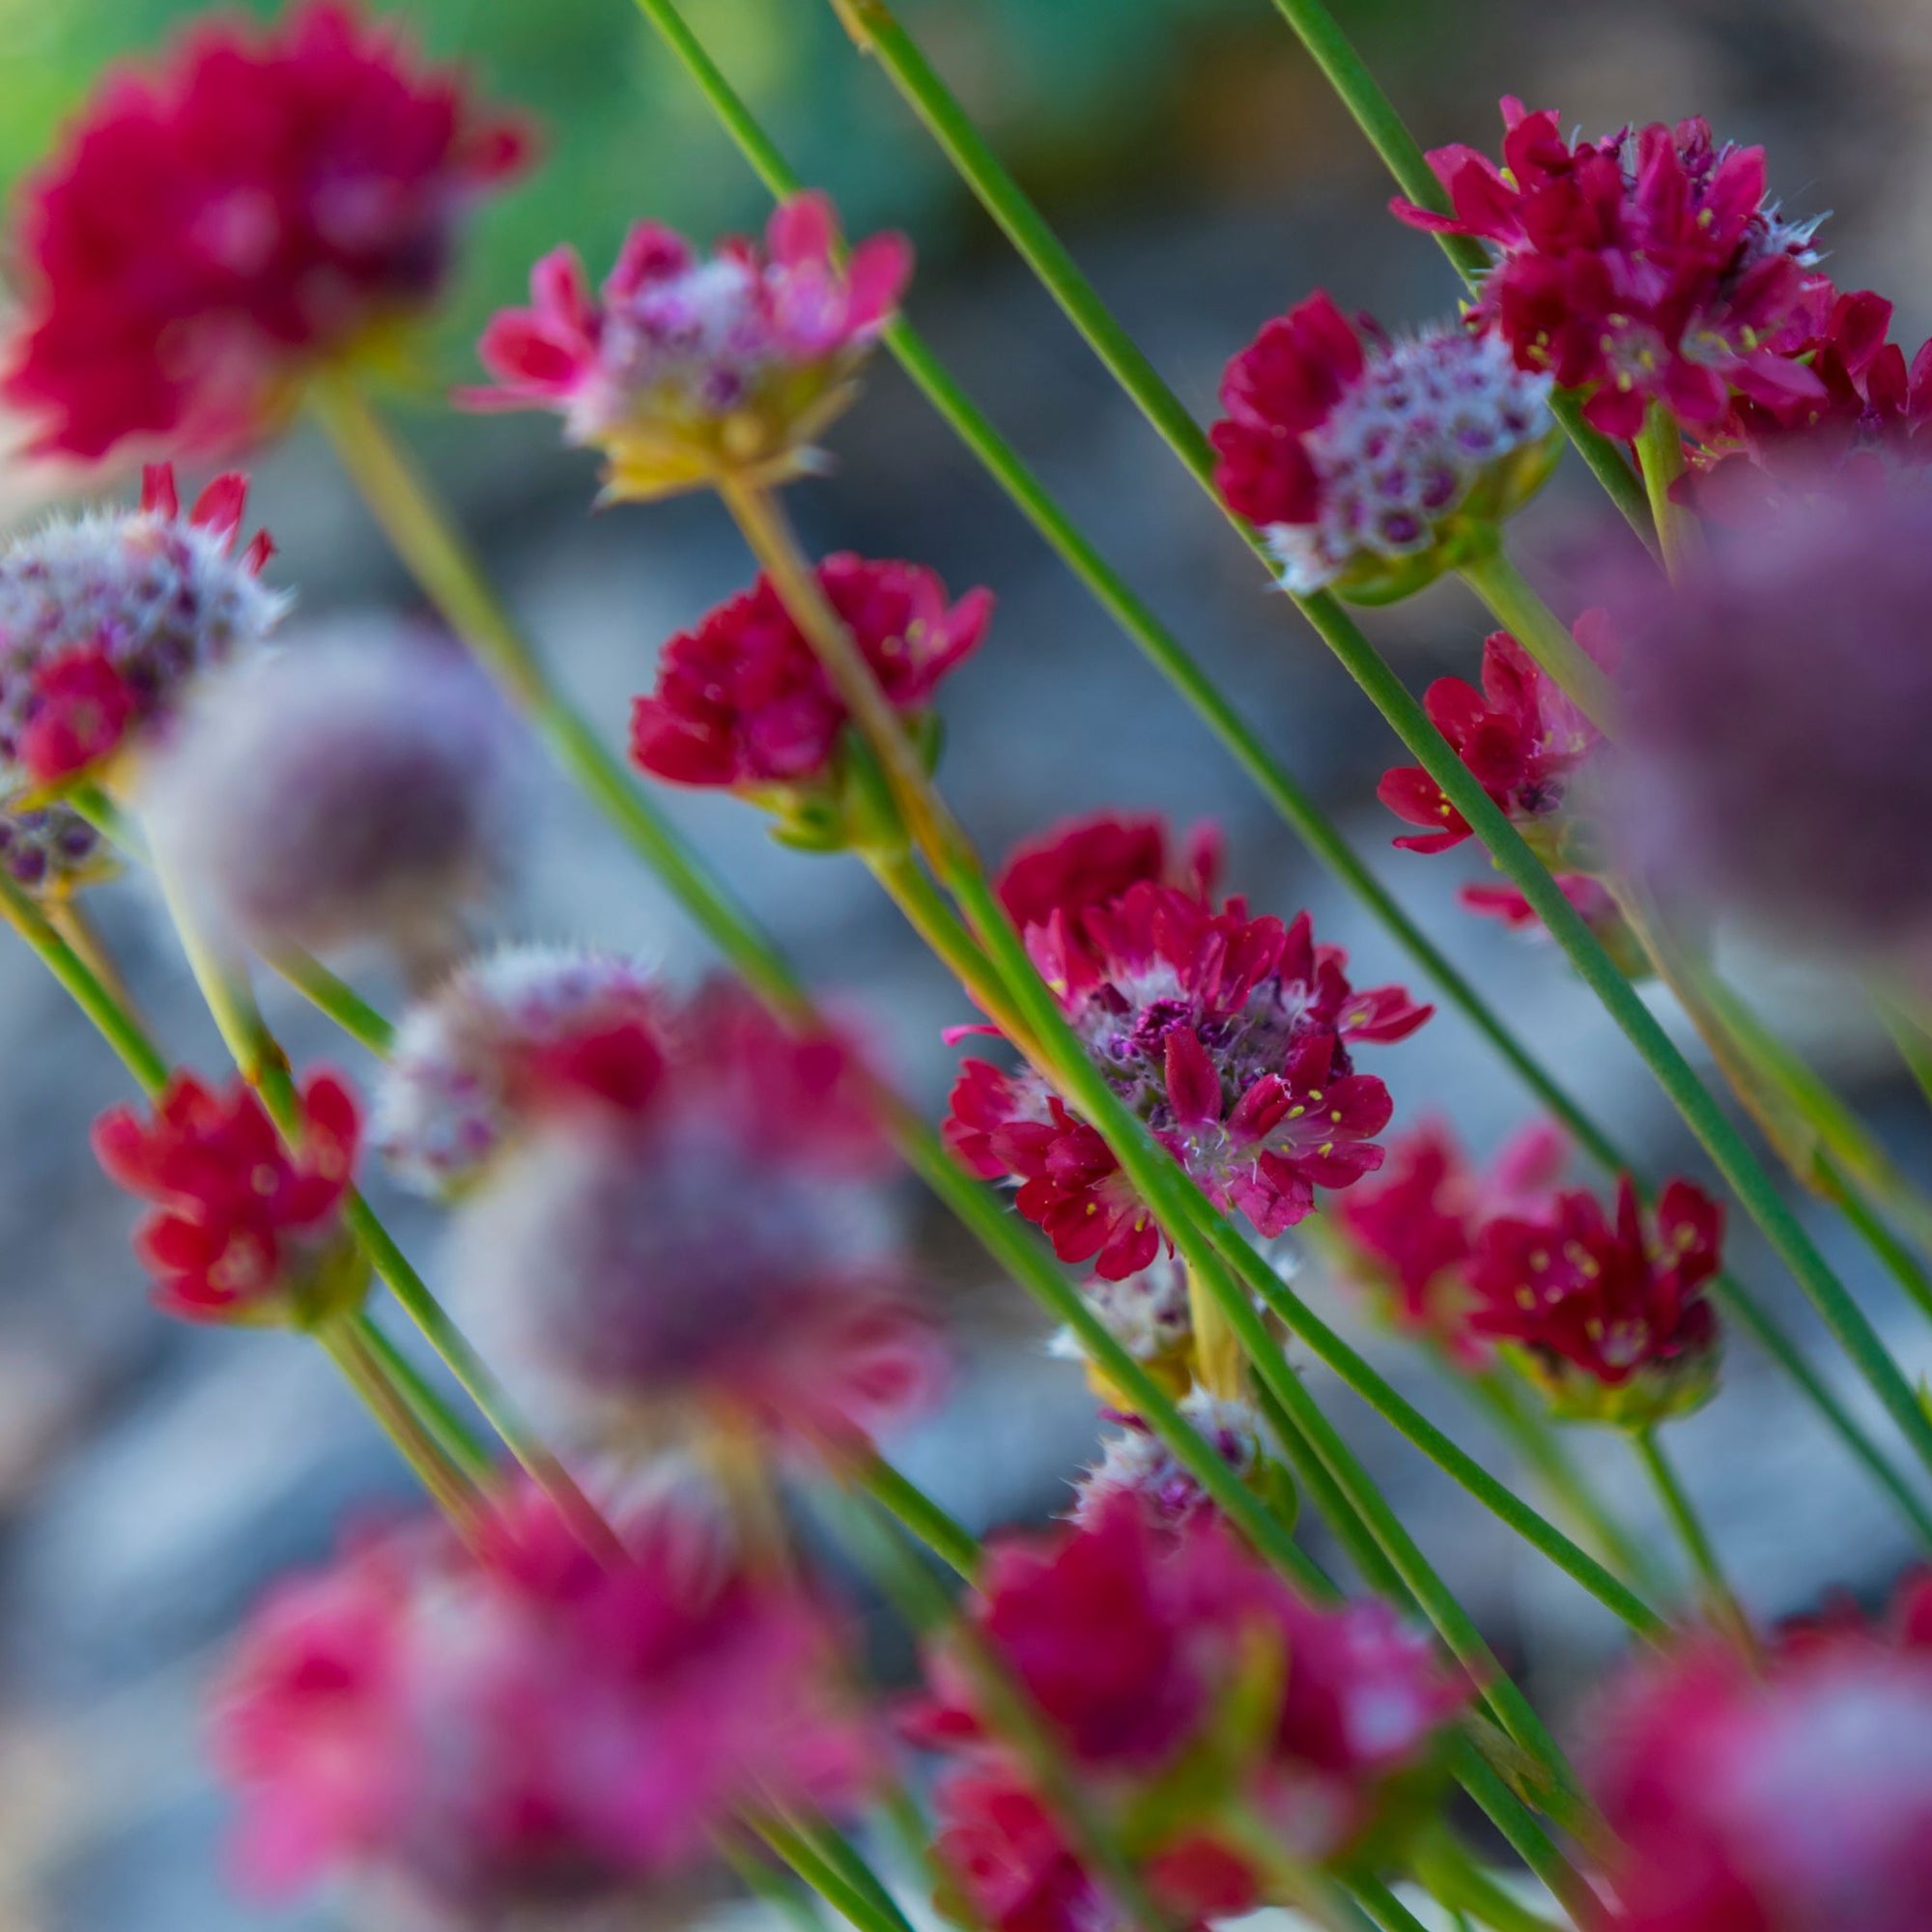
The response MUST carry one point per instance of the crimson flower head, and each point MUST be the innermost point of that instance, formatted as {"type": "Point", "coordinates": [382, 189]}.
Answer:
{"type": "Point", "coordinates": [1607, 1315]}
{"type": "Point", "coordinates": [1792, 1797]}
{"type": "Point", "coordinates": [106, 619]}
{"type": "Point", "coordinates": [528, 1724]}
{"type": "Point", "coordinates": [246, 1228]}
{"type": "Point", "coordinates": [1374, 465]}
{"type": "Point", "coordinates": [742, 702]}
{"type": "Point", "coordinates": [265, 203]}
{"type": "Point", "coordinates": [687, 368]}
{"type": "Point", "coordinates": [1229, 1036]}
{"type": "Point", "coordinates": [1645, 267]}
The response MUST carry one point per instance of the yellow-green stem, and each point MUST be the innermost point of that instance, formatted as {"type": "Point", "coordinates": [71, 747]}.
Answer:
{"type": "Point", "coordinates": [1660, 450]}
{"type": "Point", "coordinates": [1720, 1599]}
{"type": "Point", "coordinates": [1531, 622]}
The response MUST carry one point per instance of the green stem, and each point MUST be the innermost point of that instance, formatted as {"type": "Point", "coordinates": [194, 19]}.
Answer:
{"type": "Point", "coordinates": [1385, 1907]}
{"type": "Point", "coordinates": [916, 1511]}
{"type": "Point", "coordinates": [1659, 449]}
{"type": "Point", "coordinates": [840, 1854]}
{"type": "Point", "coordinates": [1909, 1037]}
{"type": "Point", "coordinates": [1527, 1838]}
{"type": "Point", "coordinates": [452, 1435]}
{"type": "Point", "coordinates": [794, 1901]}
{"type": "Point", "coordinates": [336, 998]}
{"type": "Point", "coordinates": [1325, 1496]}
{"type": "Point", "coordinates": [1531, 622]}
{"type": "Point", "coordinates": [1445, 1865]}
{"type": "Point", "coordinates": [853, 1903]}
{"type": "Point", "coordinates": [1720, 1600]}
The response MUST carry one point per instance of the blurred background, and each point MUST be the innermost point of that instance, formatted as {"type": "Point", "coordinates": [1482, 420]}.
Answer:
{"type": "Point", "coordinates": [153, 1477]}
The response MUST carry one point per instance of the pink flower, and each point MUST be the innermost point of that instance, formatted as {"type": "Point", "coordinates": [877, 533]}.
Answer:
{"type": "Point", "coordinates": [688, 368]}
{"type": "Point", "coordinates": [1374, 465]}
{"type": "Point", "coordinates": [108, 618]}
{"type": "Point", "coordinates": [1412, 1231]}
{"type": "Point", "coordinates": [267, 201]}
{"type": "Point", "coordinates": [1231, 1037]}
{"type": "Point", "coordinates": [1792, 1799]}
{"type": "Point", "coordinates": [1646, 266]}
{"type": "Point", "coordinates": [531, 1721]}
{"type": "Point", "coordinates": [246, 1228]}
{"type": "Point", "coordinates": [1609, 1317]}
{"type": "Point", "coordinates": [741, 700]}
{"type": "Point", "coordinates": [1521, 737]}
{"type": "Point", "coordinates": [1595, 903]}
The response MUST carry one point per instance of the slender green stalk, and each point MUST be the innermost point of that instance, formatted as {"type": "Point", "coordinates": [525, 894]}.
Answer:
{"type": "Point", "coordinates": [1720, 1599]}
{"type": "Point", "coordinates": [841, 1856]}
{"type": "Point", "coordinates": [795, 1902]}
{"type": "Point", "coordinates": [1527, 618]}
{"type": "Point", "coordinates": [1527, 1838]}
{"type": "Point", "coordinates": [1326, 1498]}
{"type": "Point", "coordinates": [1914, 1044]}
{"type": "Point", "coordinates": [336, 998]}
{"type": "Point", "coordinates": [1446, 1867]}
{"type": "Point", "coordinates": [456, 1440]}
{"type": "Point", "coordinates": [854, 1904]}
{"type": "Point", "coordinates": [1385, 1907]}
{"type": "Point", "coordinates": [916, 1511]}
{"type": "Point", "coordinates": [1659, 449]}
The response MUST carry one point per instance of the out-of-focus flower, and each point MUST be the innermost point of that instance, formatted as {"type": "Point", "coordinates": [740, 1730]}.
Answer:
{"type": "Point", "coordinates": [1230, 1036]}
{"type": "Point", "coordinates": [246, 1228]}
{"type": "Point", "coordinates": [1770, 758]}
{"type": "Point", "coordinates": [712, 1245]}
{"type": "Point", "coordinates": [688, 368]}
{"type": "Point", "coordinates": [1136, 1463]}
{"type": "Point", "coordinates": [1608, 1317]}
{"type": "Point", "coordinates": [529, 1723]}
{"type": "Point", "coordinates": [1410, 1231]}
{"type": "Point", "coordinates": [1793, 1798]}
{"type": "Point", "coordinates": [743, 703]}
{"type": "Point", "coordinates": [268, 203]}
{"type": "Point", "coordinates": [1371, 465]}
{"type": "Point", "coordinates": [1146, 1651]}
{"type": "Point", "coordinates": [105, 619]}
{"type": "Point", "coordinates": [338, 791]}
{"type": "Point", "coordinates": [1521, 738]}
{"type": "Point", "coordinates": [1647, 265]}
{"type": "Point", "coordinates": [50, 849]}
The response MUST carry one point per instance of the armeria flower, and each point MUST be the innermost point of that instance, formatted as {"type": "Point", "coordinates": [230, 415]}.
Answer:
{"type": "Point", "coordinates": [1608, 1317]}
{"type": "Point", "coordinates": [267, 201]}
{"type": "Point", "coordinates": [1374, 465]}
{"type": "Point", "coordinates": [1409, 1233]}
{"type": "Point", "coordinates": [246, 1228]}
{"type": "Point", "coordinates": [1136, 1463]}
{"type": "Point", "coordinates": [742, 702]}
{"type": "Point", "coordinates": [1593, 901]}
{"type": "Point", "coordinates": [709, 1242]}
{"type": "Point", "coordinates": [1521, 736]}
{"type": "Point", "coordinates": [1647, 265]}
{"type": "Point", "coordinates": [1230, 1036]}
{"type": "Point", "coordinates": [1145, 1650]}
{"type": "Point", "coordinates": [529, 1724]}
{"type": "Point", "coordinates": [50, 849]}
{"type": "Point", "coordinates": [1148, 1312]}
{"type": "Point", "coordinates": [1796, 1798]}
{"type": "Point", "coordinates": [1770, 759]}
{"type": "Point", "coordinates": [688, 368]}
{"type": "Point", "coordinates": [105, 619]}
{"type": "Point", "coordinates": [338, 791]}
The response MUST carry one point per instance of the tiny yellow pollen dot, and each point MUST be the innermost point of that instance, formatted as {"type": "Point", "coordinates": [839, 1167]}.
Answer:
{"type": "Point", "coordinates": [1335, 1114]}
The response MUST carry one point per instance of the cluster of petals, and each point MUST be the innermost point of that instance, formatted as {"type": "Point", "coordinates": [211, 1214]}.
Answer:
{"type": "Point", "coordinates": [247, 1227]}
{"type": "Point", "coordinates": [1372, 464]}
{"type": "Point", "coordinates": [105, 619]}
{"type": "Point", "coordinates": [267, 201]}
{"type": "Point", "coordinates": [526, 1723]}
{"type": "Point", "coordinates": [1645, 267]}
{"type": "Point", "coordinates": [1607, 1314]}
{"type": "Point", "coordinates": [1143, 1648]}
{"type": "Point", "coordinates": [743, 702]}
{"type": "Point", "coordinates": [1229, 1036]}
{"type": "Point", "coordinates": [1409, 1233]}
{"type": "Point", "coordinates": [1792, 1797]}
{"type": "Point", "coordinates": [686, 368]}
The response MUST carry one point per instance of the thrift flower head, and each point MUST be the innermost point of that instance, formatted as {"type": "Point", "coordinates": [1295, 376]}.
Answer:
{"type": "Point", "coordinates": [1136, 1463]}
{"type": "Point", "coordinates": [742, 702]}
{"type": "Point", "coordinates": [337, 792]}
{"type": "Point", "coordinates": [1796, 1798]}
{"type": "Point", "coordinates": [1608, 1317]}
{"type": "Point", "coordinates": [1373, 466]}
{"type": "Point", "coordinates": [710, 1240]}
{"type": "Point", "coordinates": [1231, 1037]}
{"type": "Point", "coordinates": [527, 1724]}
{"type": "Point", "coordinates": [690, 368]}
{"type": "Point", "coordinates": [1647, 265]}
{"type": "Point", "coordinates": [50, 849]}
{"type": "Point", "coordinates": [267, 201]}
{"type": "Point", "coordinates": [105, 619]}
{"type": "Point", "coordinates": [245, 1229]}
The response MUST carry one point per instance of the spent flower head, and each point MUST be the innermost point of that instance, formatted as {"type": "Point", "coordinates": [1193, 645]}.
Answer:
{"type": "Point", "coordinates": [50, 848]}
{"type": "Point", "coordinates": [1373, 466]}
{"type": "Point", "coordinates": [266, 202]}
{"type": "Point", "coordinates": [688, 368]}
{"type": "Point", "coordinates": [1134, 1462]}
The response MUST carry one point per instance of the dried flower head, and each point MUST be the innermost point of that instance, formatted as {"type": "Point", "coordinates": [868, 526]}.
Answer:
{"type": "Point", "coordinates": [270, 201]}
{"type": "Point", "coordinates": [691, 368]}
{"type": "Point", "coordinates": [1134, 1462]}
{"type": "Point", "coordinates": [336, 791]}
{"type": "Point", "coordinates": [742, 701]}
{"type": "Point", "coordinates": [528, 1724]}
{"type": "Point", "coordinates": [1149, 1314]}
{"type": "Point", "coordinates": [246, 1228]}
{"type": "Point", "coordinates": [1648, 266]}
{"type": "Point", "coordinates": [1608, 1317]}
{"type": "Point", "coordinates": [105, 619]}
{"type": "Point", "coordinates": [1374, 465]}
